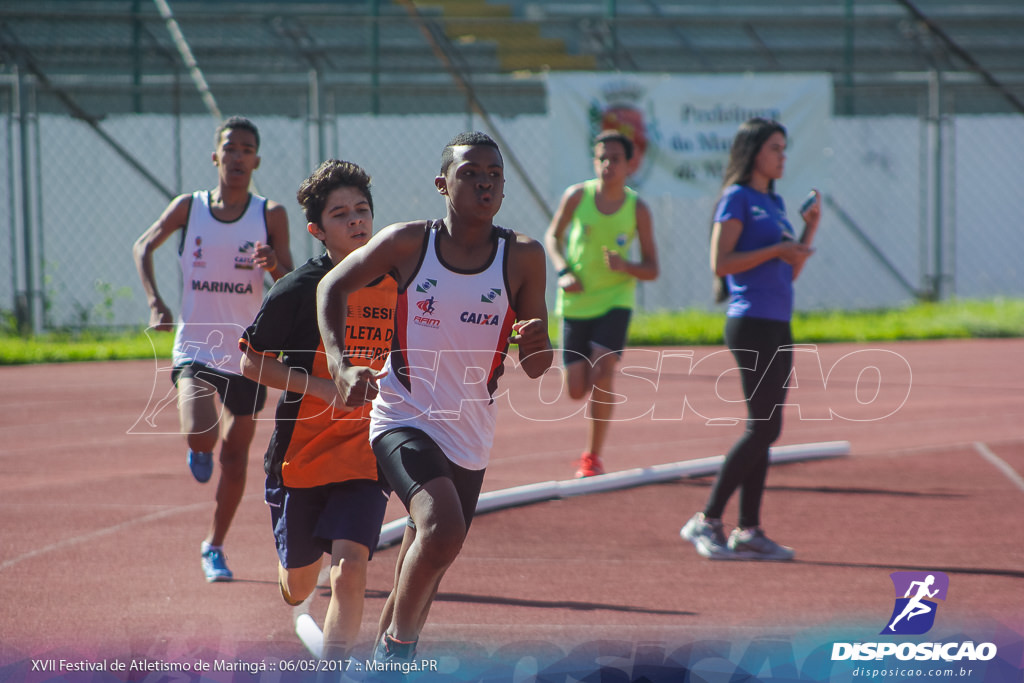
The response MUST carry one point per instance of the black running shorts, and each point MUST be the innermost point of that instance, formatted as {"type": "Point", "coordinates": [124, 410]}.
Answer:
{"type": "Point", "coordinates": [240, 395]}
{"type": "Point", "coordinates": [409, 459]}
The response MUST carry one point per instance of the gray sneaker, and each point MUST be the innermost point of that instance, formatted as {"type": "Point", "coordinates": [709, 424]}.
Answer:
{"type": "Point", "coordinates": [752, 544]}
{"type": "Point", "coordinates": [707, 536]}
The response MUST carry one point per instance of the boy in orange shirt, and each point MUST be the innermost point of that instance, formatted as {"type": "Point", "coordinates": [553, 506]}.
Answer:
{"type": "Point", "coordinates": [322, 484]}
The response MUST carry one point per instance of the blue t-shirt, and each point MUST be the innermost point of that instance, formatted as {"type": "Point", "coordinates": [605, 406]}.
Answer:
{"type": "Point", "coordinates": [766, 290]}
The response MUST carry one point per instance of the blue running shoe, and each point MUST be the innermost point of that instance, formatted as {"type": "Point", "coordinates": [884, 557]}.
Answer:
{"type": "Point", "coordinates": [215, 566]}
{"type": "Point", "coordinates": [201, 464]}
{"type": "Point", "coordinates": [394, 652]}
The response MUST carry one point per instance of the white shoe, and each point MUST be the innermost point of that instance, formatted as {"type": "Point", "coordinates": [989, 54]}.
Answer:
{"type": "Point", "coordinates": [707, 536]}
{"type": "Point", "coordinates": [752, 544]}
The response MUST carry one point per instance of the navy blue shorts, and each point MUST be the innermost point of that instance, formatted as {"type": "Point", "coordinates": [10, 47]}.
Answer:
{"type": "Point", "coordinates": [582, 336]}
{"type": "Point", "coordinates": [240, 395]}
{"type": "Point", "coordinates": [409, 459]}
{"type": "Point", "coordinates": [308, 521]}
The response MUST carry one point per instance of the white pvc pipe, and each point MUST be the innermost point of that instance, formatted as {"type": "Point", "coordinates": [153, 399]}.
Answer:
{"type": "Point", "coordinates": [392, 532]}
{"type": "Point", "coordinates": [310, 634]}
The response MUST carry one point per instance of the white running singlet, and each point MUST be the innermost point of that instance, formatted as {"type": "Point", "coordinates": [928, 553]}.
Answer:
{"type": "Point", "coordinates": [221, 286]}
{"type": "Point", "coordinates": [451, 336]}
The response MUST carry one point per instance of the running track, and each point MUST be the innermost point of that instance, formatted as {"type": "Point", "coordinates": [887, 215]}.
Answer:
{"type": "Point", "coordinates": [102, 522]}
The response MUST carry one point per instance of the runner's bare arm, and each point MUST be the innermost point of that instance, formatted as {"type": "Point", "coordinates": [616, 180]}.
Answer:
{"type": "Point", "coordinates": [528, 271]}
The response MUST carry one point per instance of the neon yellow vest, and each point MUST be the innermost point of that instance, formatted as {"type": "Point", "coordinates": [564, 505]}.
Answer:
{"type": "Point", "coordinates": [603, 289]}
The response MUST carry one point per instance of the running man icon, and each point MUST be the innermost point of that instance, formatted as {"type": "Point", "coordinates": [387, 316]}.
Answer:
{"type": "Point", "coordinates": [917, 601]}
{"type": "Point", "coordinates": [915, 607]}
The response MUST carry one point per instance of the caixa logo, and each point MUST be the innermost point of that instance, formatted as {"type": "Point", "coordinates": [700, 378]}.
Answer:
{"type": "Point", "coordinates": [914, 614]}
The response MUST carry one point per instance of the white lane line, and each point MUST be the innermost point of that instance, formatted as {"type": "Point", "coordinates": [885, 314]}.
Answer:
{"type": "Point", "coordinates": [1000, 464]}
{"type": "Point", "coordinates": [100, 533]}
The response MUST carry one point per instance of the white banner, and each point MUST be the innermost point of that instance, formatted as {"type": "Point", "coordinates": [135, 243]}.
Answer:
{"type": "Point", "coordinates": [683, 127]}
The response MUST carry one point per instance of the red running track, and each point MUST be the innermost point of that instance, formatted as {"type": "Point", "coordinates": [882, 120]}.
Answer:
{"type": "Point", "coordinates": [102, 522]}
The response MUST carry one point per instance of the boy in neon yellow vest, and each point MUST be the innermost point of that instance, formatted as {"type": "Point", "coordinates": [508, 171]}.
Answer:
{"type": "Point", "coordinates": [588, 242]}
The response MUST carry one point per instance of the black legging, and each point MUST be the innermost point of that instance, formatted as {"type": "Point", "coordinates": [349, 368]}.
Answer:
{"type": "Point", "coordinates": [762, 351]}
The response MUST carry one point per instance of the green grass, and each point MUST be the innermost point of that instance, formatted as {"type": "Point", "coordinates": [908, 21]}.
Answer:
{"type": "Point", "coordinates": [958, 319]}
{"type": "Point", "coordinates": [62, 347]}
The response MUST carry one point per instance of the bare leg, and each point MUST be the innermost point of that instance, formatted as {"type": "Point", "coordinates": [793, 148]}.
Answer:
{"type": "Point", "coordinates": [199, 414]}
{"type": "Point", "coordinates": [440, 532]}
{"type": "Point", "coordinates": [601, 402]}
{"type": "Point", "coordinates": [348, 589]}
{"type": "Point", "coordinates": [234, 460]}
{"type": "Point", "coordinates": [388, 611]}
{"type": "Point", "coordinates": [297, 584]}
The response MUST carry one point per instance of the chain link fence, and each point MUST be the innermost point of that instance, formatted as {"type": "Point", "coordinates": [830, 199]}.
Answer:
{"type": "Point", "coordinates": [923, 203]}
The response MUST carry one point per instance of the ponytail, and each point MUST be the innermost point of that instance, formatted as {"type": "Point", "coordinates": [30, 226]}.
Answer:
{"type": "Point", "coordinates": [720, 290]}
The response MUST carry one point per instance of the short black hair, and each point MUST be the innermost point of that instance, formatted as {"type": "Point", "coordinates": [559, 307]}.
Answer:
{"type": "Point", "coordinates": [236, 123]}
{"type": "Point", "coordinates": [612, 135]}
{"type": "Point", "coordinates": [329, 176]}
{"type": "Point", "coordinates": [468, 139]}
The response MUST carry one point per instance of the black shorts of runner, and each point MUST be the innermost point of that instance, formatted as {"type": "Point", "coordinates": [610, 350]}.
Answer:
{"type": "Point", "coordinates": [608, 332]}
{"type": "Point", "coordinates": [240, 395]}
{"type": "Point", "coordinates": [409, 459]}
{"type": "Point", "coordinates": [306, 522]}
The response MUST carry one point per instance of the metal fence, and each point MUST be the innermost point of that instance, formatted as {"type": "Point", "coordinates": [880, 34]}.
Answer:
{"type": "Point", "coordinates": [921, 202]}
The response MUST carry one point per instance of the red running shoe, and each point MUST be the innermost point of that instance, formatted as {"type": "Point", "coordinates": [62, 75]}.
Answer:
{"type": "Point", "coordinates": [589, 466]}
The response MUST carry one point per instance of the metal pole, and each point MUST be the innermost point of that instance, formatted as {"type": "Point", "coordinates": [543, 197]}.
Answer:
{"type": "Point", "coordinates": [136, 57]}
{"type": "Point", "coordinates": [178, 165]}
{"type": "Point", "coordinates": [187, 57]}
{"type": "Point", "coordinates": [612, 31]}
{"type": "Point", "coordinates": [848, 46]}
{"type": "Point", "coordinates": [12, 189]}
{"type": "Point", "coordinates": [316, 143]}
{"type": "Point", "coordinates": [375, 57]}
{"type": "Point", "coordinates": [935, 116]}
{"type": "Point", "coordinates": [27, 318]}
{"type": "Point", "coordinates": [37, 190]}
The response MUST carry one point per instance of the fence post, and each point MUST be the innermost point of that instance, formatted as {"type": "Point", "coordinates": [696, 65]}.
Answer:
{"type": "Point", "coordinates": [27, 302]}
{"type": "Point", "coordinates": [938, 197]}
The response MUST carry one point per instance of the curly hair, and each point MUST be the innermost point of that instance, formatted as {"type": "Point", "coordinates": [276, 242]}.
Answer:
{"type": "Point", "coordinates": [331, 175]}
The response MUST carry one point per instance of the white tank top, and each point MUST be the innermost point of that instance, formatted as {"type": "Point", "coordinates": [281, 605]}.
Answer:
{"type": "Point", "coordinates": [221, 287]}
{"type": "Point", "coordinates": [451, 335]}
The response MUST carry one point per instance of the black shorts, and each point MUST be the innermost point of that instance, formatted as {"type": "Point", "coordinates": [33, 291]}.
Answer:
{"type": "Point", "coordinates": [245, 397]}
{"type": "Point", "coordinates": [307, 521]}
{"type": "Point", "coordinates": [580, 336]}
{"type": "Point", "coordinates": [409, 459]}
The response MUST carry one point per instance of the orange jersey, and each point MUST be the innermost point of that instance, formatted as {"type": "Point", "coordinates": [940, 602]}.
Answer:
{"type": "Point", "coordinates": [314, 444]}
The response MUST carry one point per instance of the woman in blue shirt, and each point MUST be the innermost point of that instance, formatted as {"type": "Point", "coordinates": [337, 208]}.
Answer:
{"type": "Point", "coordinates": [757, 256]}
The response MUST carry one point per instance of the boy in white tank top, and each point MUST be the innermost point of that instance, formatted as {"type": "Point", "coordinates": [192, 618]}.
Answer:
{"type": "Point", "coordinates": [467, 289]}
{"type": "Point", "coordinates": [230, 238]}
